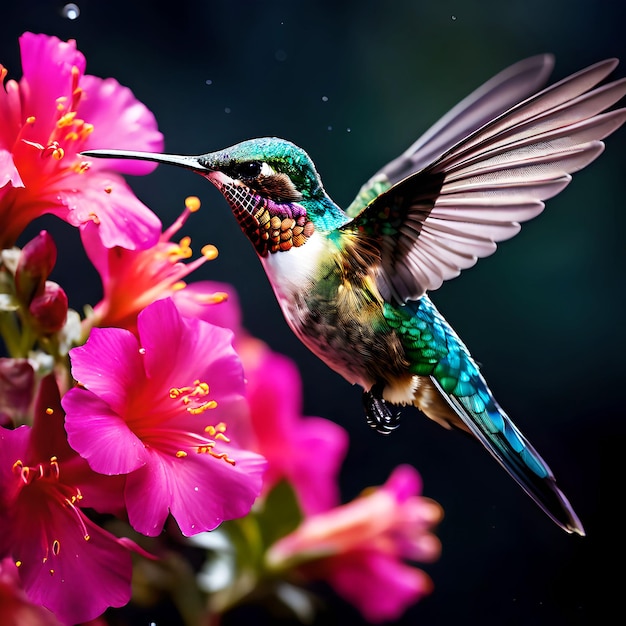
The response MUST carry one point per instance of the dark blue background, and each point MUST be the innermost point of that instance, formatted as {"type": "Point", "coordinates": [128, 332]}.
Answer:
{"type": "Point", "coordinates": [544, 316]}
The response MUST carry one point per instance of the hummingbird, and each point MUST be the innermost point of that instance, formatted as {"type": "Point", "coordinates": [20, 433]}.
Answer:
{"type": "Point", "coordinates": [354, 284]}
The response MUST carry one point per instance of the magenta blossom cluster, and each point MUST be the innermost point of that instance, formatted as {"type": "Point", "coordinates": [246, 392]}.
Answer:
{"type": "Point", "coordinates": [154, 414]}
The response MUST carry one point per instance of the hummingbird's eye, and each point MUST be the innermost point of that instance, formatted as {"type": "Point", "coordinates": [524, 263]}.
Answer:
{"type": "Point", "coordinates": [247, 170]}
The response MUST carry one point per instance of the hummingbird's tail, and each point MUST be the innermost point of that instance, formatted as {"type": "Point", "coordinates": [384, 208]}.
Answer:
{"type": "Point", "coordinates": [485, 419]}
{"type": "Point", "coordinates": [452, 391]}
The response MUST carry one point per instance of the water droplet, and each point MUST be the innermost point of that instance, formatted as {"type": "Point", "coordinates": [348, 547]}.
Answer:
{"type": "Point", "coordinates": [227, 110]}
{"type": "Point", "coordinates": [453, 17]}
{"type": "Point", "coordinates": [348, 130]}
{"type": "Point", "coordinates": [330, 128]}
{"type": "Point", "coordinates": [70, 11]}
{"type": "Point", "coordinates": [196, 489]}
{"type": "Point", "coordinates": [280, 55]}
{"type": "Point", "coordinates": [324, 98]}
{"type": "Point", "coordinates": [208, 81]}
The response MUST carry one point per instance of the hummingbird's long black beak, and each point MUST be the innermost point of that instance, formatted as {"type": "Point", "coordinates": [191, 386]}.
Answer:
{"type": "Point", "coordinates": [193, 163]}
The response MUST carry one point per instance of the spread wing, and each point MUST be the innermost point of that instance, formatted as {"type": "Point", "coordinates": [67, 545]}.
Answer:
{"type": "Point", "coordinates": [481, 170]}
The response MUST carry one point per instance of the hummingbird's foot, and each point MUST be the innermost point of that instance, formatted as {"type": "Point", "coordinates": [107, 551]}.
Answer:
{"type": "Point", "coordinates": [377, 413]}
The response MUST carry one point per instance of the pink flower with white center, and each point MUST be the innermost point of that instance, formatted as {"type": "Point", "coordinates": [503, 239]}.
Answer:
{"type": "Point", "coordinates": [360, 548]}
{"type": "Point", "coordinates": [164, 409]}
{"type": "Point", "coordinates": [65, 562]}
{"type": "Point", "coordinates": [133, 279]}
{"type": "Point", "coordinates": [48, 117]}
{"type": "Point", "coordinates": [306, 451]}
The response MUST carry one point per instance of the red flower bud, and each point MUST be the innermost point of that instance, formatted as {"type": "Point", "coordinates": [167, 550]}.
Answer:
{"type": "Point", "coordinates": [34, 266]}
{"type": "Point", "coordinates": [49, 309]}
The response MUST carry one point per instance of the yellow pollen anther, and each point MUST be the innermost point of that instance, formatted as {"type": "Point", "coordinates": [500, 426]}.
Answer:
{"type": "Point", "coordinates": [3, 72]}
{"type": "Point", "coordinates": [192, 203]}
{"type": "Point", "coordinates": [180, 251]}
{"type": "Point", "coordinates": [67, 119]}
{"type": "Point", "coordinates": [214, 430]}
{"type": "Point", "coordinates": [108, 189]}
{"type": "Point", "coordinates": [49, 411]}
{"type": "Point", "coordinates": [181, 454]}
{"type": "Point", "coordinates": [191, 397]}
{"type": "Point", "coordinates": [30, 119]}
{"type": "Point", "coordinates": [212, 298]}
{"type": "Point", "coordinates": [184, 247]}
{"type": "Point", "coordinates": [51, 572]}
{"type": "Point", "coordinates": [53, 149]}
{"type": "Point", "coordinates": [209, 252]}
{"type": "Point", "coordinates": [56, 547]}
{"type": "Point", "coordinates": [177, 286]}
{"type": "Point", "coordinates": [18, 563]}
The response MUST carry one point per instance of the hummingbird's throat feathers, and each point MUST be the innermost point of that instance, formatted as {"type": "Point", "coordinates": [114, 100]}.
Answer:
{"type": "Point", "coordinates": [269, 225]}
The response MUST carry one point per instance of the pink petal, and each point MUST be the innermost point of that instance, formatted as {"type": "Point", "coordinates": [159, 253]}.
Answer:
{"type": "Point", "coordinates": [120, 121]}
{"type": "Point", "coordinates": [147, 495]}
{"type": "Point", "coordinates": [307, 451]}
{"type": "Point", "coordinates": [379, 585]}
{"type": "Point", "coordinates": [404, 482]}
{"type": "Point", "coordinates": [199, 490]}
{"type": "Point", "coordinates": [47, 75]}
{"type": "Point", "coordinates": [109, 365]}
{"type": "Point", "coordinates": [195, 351]}
{"type": "Point", "coordinates": [226, 314]}
{"type": "Point", "coordinates": [106, 199]}
{"type": "Point", "coordinates": [322, 447]}
{"type": "Point", "coordinates": [84, 578]}
{"type": "Point", "coordinates": [15, 608]}
{"type": "Point", "coordinates": [8, 171]}
{"type": "Point", "coordinates": [100, 435]}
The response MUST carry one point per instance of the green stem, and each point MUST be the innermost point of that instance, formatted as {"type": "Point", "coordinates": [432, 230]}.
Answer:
{"type": "Point", "coordinates": [10, 332]}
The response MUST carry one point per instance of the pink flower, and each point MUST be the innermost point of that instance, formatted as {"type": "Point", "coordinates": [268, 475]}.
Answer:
{"type": "Point", "coordinates": [133, 279]}
{"type": "Point", "coordinates": [165, 411]}
{"type": "Point", "coordinates": [360, 547]}
{"type": "Point", "coordinates": [54, 112]}
{"type": "Point", "coordinates": [66, 563]}
{"type": "Point", "coordinates": [305, 451]}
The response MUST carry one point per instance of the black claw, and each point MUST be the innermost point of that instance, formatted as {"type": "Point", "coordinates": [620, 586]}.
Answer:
{"type": "Point", "coordinates": [377, 412]}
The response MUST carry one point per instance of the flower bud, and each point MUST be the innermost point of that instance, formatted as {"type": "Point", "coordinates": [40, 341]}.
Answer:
{"type": "Point", "coordinates": [49, 309]}
{"type": "Point", "coordinates": [34, 266]}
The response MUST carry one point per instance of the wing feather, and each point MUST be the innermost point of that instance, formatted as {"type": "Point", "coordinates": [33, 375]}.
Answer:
{"type": "Point", "coordinates": [483, 169]}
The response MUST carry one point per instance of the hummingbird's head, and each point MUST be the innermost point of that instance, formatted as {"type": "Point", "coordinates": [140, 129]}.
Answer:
{"type": "Point", "coordinates": [271, 185]}
{"type": "Point", "coordinates": [273, 168]}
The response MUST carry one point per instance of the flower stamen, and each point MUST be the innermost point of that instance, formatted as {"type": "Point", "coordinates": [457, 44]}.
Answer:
{"type": "Point", "coordinates": [189, 396]}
